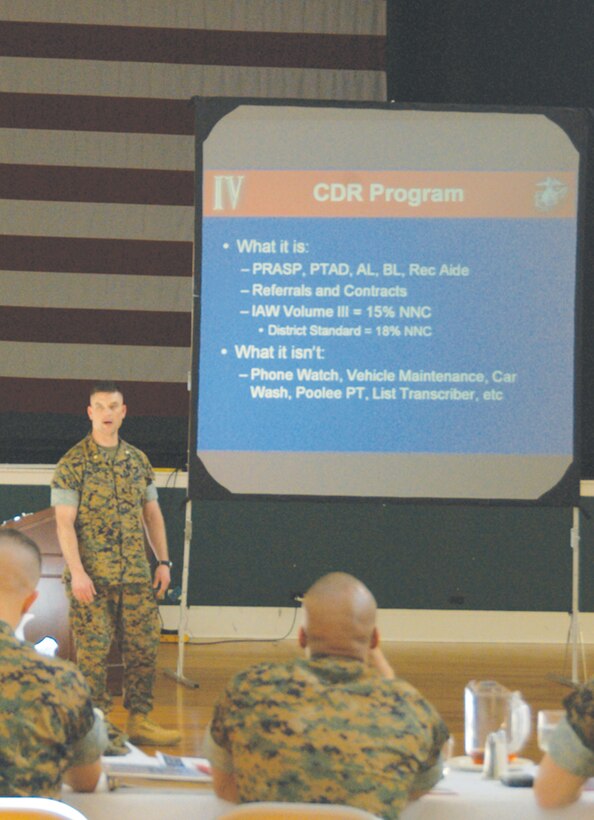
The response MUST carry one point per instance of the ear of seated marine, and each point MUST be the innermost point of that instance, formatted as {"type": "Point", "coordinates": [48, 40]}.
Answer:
{"type": "Point", "coordinates": [336, 726]}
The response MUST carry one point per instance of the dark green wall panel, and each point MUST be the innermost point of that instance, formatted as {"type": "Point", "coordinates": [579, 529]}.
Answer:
{"type": "Point", "coordinates": [416, 557]}
{"type": "Point", "coordinates": [43, 438]}
{"type": "Point", "coordinates": [17, 499]}
{"type": "Point", "coordinates": [411, 556]}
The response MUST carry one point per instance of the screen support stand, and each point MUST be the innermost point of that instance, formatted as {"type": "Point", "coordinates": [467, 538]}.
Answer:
{"type": "Point", "coordinates": [575, 635]}
{"type": "Point", "coordinates": [178, 674]}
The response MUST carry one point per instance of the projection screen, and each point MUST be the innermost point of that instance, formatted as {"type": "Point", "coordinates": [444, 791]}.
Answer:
{"type": "Point", "coordinates": [385, 302]}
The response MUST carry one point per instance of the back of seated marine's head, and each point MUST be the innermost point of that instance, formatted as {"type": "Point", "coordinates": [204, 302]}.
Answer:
{"type": "Point", "coordinates": [20, 569]}
{"type": "Point", "coordinates": [339, 617]}
{"type": "Point", "coordinates": [20, 560]}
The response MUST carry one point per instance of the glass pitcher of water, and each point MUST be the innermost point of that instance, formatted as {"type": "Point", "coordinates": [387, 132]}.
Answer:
{"type": "Point", "coordinates": [489, 707]}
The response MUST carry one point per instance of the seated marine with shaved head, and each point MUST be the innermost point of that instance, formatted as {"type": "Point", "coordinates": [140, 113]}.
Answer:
{"type": "Point", "coordinates": [49, 732]}
{"type": "Point", "coordinates": [336, 726]}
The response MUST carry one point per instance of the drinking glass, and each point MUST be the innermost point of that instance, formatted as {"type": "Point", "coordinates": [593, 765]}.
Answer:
{"type": "Point", "coordinates": [546, 721]}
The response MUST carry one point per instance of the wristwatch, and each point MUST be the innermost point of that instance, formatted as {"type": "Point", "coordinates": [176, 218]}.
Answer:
{"type": "Point", "coordinates": [165, 564]}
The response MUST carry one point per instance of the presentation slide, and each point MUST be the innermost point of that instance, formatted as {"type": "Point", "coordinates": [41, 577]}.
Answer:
{"type": "Point", "coordinates": [386, 303]}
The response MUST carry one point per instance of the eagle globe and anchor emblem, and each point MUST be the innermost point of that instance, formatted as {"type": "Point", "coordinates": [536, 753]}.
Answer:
{"type": "Point", "coordinates": [550, 193]}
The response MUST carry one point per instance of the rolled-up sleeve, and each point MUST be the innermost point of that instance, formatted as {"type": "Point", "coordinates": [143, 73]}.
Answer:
{"type": "Point", "coordinates": [426, 779]}
{"type": "Point", "coordinates": [567, 751]}
{"type": "Point", "coordinates": [90, 747]}
{"type": "Point", "coordinates": [219, 758]}
{"type": "Point", "coordinates": [151, 493]}
{"type": "Point", "coordinates": [68, 497]}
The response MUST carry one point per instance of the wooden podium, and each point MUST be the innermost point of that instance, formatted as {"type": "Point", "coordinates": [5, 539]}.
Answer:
{"type": "Point", "coordinates": [51, 607]}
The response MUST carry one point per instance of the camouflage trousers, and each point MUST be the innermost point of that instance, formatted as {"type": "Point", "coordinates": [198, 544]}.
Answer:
{"type": "Point", "coordinates": [129, 613]}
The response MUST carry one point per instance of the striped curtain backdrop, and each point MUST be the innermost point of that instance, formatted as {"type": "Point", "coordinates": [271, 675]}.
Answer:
{"type": "Point", "coordinates": [96, 188]}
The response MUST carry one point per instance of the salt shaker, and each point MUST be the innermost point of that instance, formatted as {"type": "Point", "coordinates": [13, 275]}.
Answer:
{"type": "Point", "coordinates": [495, 765]}
{"type": "Point", "coordinates": [501, 753]}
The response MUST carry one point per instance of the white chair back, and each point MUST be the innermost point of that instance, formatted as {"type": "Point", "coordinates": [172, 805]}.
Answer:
{"type": "Point", "coordinates": [37, 808]}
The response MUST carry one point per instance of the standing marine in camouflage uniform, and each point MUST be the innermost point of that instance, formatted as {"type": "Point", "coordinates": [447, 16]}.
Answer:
{"type": "Point", "coordinates": [338, 727]}
{"type": "Point", "coordinates": [48, 730]}
{"type": "Point", "coordinates": [103, 490]}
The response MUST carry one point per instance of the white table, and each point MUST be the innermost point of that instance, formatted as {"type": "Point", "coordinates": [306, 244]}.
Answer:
{"type": "Point", "coordinates": [468, 796]}
{"type": "Point", "coordinates": [150, 803]}
{"type": "Point", "coordinates": [459, 796]}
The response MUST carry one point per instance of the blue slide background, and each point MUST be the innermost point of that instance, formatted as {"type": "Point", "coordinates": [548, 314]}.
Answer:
{"type": "Point", "coordinates": [514, 313]}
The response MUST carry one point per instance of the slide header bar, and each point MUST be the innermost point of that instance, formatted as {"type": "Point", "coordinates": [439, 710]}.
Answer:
{"type": "Point", "coordinates": [402, 194]}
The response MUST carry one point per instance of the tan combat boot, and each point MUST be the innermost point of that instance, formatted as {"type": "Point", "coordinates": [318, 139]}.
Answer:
{"type": "Point", "coordinates": [143, 731]}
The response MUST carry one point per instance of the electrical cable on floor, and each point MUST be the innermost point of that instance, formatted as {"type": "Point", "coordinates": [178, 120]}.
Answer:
{"type": "Point", "coordinates": [246, 640]}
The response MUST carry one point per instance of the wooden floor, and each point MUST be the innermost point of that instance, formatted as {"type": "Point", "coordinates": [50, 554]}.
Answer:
{"type": "Point", "coordinates": [439, 671]}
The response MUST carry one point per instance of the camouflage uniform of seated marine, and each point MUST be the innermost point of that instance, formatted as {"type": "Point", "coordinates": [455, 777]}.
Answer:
{"type": "Point", "coordinates": [112, 491]}
{"type": "Point", "coordinates": [580, 712]}
{"type": "Point", "coordinates": [46, 711]}
{"type": "Point", "coordinates": [326, 730]}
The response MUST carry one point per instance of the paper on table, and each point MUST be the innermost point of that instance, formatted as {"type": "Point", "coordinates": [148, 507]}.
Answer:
{"type": "Point", "coordinates": [139, 766]}
{"type": "Point", "coordinates": [200, 764]}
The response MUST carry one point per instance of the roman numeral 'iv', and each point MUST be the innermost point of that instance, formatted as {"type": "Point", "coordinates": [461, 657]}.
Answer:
{"type": "Point", "coordinates": [227, 190]}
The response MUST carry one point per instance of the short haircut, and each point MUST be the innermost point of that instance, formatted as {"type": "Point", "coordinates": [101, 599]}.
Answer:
{"type": "Point", "coordinates": [105, 387]}
{"type": "Point", "coordinates": [11, 536]}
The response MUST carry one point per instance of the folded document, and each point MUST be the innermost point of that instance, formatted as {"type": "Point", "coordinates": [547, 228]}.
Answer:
{"type": "Point", "coordinates": [160, 767]}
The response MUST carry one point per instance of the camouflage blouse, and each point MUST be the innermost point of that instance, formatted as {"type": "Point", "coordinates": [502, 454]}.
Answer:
{"type": "Point", "coordinates": [46, 712]}
{"type": "Point", "coordinates": [326, 730]}
{"type": "Point", "coordinates": [112, 493]}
